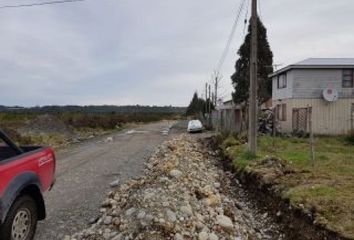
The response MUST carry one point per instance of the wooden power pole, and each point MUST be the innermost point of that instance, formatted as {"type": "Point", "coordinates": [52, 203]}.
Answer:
{"type": "Point", "coordinates": [253, 121]}
{"type": "Point", "coordinates": [209, 103]}
{"type": "Point", "coordinates": [206, 98]}
{"type": "Point", "coordinates": [216, 87]}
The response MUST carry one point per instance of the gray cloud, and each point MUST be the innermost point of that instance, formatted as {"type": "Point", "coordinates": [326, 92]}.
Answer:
{"type": "Point", "coordinates": [149, 52]}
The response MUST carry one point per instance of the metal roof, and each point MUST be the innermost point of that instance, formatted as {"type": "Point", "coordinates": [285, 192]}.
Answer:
{"type": "Point", "coordinates": [318, 63]}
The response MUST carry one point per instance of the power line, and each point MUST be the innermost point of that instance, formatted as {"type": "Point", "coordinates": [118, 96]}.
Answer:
{"type": "Point", "coordinates": [246, 17]}
{"type": "Point", "coordinates": [40, 4]}
{"type": "Point", "coordinates": [230, 38]}
{"type": "Point", "coordinates": [260, 10]}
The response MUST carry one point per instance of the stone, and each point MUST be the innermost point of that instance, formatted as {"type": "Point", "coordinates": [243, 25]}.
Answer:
{"type": "Point", "coordinates": [187, 209]}
{"type": "Point", "coordinates": [164, 180]}
{"type": "Point", "coordinates": [109, 139]}
{"type": "Point", "coordinates": [199, 225]}
{"type": "Point", "coordinates": [116, 221]}
{"type": "Point", "coordinates": [225, 223]}
{"type": "Point", "coordinates": [175, 173]}
{"type": "Point", "coordinates": [213, 200]}
{"type": "Point", "coordinates": [171, 216]}
{"type": "Point", "coordinates": [93, 220]}
{"type": "Point", "coordinates": [115, 183]}
{"type": "Point", "coordinates": [213, 236]}
{"type": "Point", "coordinates": [203, 236]}
{"type": "Point", "coordinates": [107, 220]}
{"type": "Point", "coordinates": [130, 212]}
{"type": "Point", "coordinates": [118, 237]}
{"type": "Point", "coordinates": [178, 236]}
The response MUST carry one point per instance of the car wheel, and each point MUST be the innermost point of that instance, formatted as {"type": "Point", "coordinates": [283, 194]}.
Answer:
{"type": "Point", "coordinates": [21, 220]}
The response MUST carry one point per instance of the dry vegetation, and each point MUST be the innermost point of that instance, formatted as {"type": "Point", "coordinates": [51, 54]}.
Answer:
{"type": "Point", "coordinates": [60, 129]}
{"type": "Point", "coordinates": [327, 190]}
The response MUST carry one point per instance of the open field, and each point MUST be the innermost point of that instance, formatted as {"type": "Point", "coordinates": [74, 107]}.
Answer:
{"type": "Point", "coordinates": [61, 128]}
{"type": "Point", "coordinates": [326, 191]}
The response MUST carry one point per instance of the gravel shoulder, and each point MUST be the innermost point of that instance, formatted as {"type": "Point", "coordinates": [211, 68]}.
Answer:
{"type": "Point", "coordinates": [183, 193]}
{"type": "Point", "coordinates": [85, 171]}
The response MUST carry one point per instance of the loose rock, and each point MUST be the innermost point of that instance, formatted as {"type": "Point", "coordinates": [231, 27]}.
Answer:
{"type": "Point", "coordinates": [179, 195]}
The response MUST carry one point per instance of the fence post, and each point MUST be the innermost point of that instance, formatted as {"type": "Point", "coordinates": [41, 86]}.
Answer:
{"type": "Point", "coordinates": [312, 147]}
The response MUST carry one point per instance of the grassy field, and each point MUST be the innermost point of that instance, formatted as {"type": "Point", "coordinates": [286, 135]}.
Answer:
{"type": "Point", "coordinates": [327, 189]}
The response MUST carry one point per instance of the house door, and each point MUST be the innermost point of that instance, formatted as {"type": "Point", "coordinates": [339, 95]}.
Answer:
{"type": "Point", "coordinates": [300, 116]}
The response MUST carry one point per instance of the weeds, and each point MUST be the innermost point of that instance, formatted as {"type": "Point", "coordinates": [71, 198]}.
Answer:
{"type": "Point", "coordinates": [328, 189]}
{"type": "Point", "coordinates": [350, 138]}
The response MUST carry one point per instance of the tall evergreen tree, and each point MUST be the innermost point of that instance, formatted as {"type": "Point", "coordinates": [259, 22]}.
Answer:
{"type": "Point", "coordinates": [241, 78]}
{"type": "Point", "coordinates": [198, 105]}
{"type": "Point", "coordinates": [194, 106]}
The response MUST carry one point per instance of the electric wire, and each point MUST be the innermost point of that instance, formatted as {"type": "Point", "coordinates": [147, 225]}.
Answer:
{"type": "Point", "coordinates": [260, 10]}
{"type": "Point", "coordinates": [246, 18]}
{"type": "Point", "coordinates": [40, 4]}
{"type": "Point", "coordinates": [230, 38]}
{"type": "Point", "coordinates": [216, 76]}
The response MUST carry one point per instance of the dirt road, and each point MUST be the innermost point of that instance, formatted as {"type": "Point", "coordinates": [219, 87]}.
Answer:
{"type": "Point", "coordinates": [84, 172]}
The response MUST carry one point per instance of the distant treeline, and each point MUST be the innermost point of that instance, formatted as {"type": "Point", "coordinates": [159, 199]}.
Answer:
{"type": "Point", "coordinates": [94, 109]}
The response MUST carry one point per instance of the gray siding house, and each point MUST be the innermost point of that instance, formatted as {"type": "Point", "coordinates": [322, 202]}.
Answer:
{"type": "Point", "coordinates": [306, 84]}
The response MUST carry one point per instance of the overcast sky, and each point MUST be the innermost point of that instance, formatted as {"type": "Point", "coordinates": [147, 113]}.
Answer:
{"type": "Point", "coordinates": [150, 52]}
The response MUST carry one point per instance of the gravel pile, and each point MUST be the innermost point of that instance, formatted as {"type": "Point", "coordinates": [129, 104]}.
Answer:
{"type": "Point", "coordinates": [183, 194]}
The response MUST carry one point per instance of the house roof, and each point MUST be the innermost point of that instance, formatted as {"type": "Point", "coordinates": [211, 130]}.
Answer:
{"type": "Point", "coordinates": [228, 102]}
{"type": "Point", "coordinates": [318, 63]}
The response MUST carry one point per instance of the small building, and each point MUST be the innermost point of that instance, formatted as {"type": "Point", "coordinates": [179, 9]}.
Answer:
{"type": "Point", "coordinates": [227, 117]}
{"type": "Point", "coordinates": [326, 85]}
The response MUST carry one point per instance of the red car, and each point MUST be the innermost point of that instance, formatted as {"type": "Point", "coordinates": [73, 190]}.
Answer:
{"type": "Point", "coordinates": [25, 173]}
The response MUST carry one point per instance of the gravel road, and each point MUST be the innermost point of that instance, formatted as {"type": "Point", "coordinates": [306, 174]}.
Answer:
{"type": "Point", "coordinates": [85, 170]}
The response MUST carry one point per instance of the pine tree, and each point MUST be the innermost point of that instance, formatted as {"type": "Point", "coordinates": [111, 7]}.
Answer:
{"type": "Point", "coordinates": [198, 105]}
{"type": "Point", "coordinates": [194, 105]}
{"type": "Point", "coordinates": [241, 77]}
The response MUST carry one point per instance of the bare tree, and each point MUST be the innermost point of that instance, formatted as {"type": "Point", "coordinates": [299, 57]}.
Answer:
{"type": "Point", "coordinates": [216, 79]}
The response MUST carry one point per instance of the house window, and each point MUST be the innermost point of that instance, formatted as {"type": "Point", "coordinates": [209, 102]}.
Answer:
{"type": "Point", "coordinates": [281, 112]}
{"type": "Point", "coordinates": [282, 81]}
{"type": "Point", "coordinates": [348, 81]}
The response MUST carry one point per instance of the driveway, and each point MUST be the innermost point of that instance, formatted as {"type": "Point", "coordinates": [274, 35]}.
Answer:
{"type": "Point", "coordinates": [85, 170]}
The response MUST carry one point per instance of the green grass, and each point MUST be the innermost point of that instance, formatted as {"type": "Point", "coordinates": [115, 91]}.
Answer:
{"type": "Point", "coordinates": [328, 188]}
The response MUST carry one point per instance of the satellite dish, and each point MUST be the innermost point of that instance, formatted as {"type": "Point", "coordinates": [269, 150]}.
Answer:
{"type": "Point", "coordinates": [330, 94]}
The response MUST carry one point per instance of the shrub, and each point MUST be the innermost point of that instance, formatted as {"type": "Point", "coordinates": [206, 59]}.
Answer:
{"type": "Point", "coordinates": [18, 138]}
{"type": "Point", "coordinates": [229, 142]}
{"type": "Point", "coordinates": [350, 137]}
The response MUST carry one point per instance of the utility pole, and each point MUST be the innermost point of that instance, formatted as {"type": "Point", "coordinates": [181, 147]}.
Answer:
{"type": "Point", "coordinates": [206, 98]}
{"type": "Point", "coordinates": [209, 103]}
{"type": "Point", "coordinates": [253, 122]}
{"type": "Point", "coordinates": [216, 86]}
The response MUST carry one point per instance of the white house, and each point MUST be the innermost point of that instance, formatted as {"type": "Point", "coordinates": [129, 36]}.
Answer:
{"type": "Point", "coordinates": [326, 85]}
